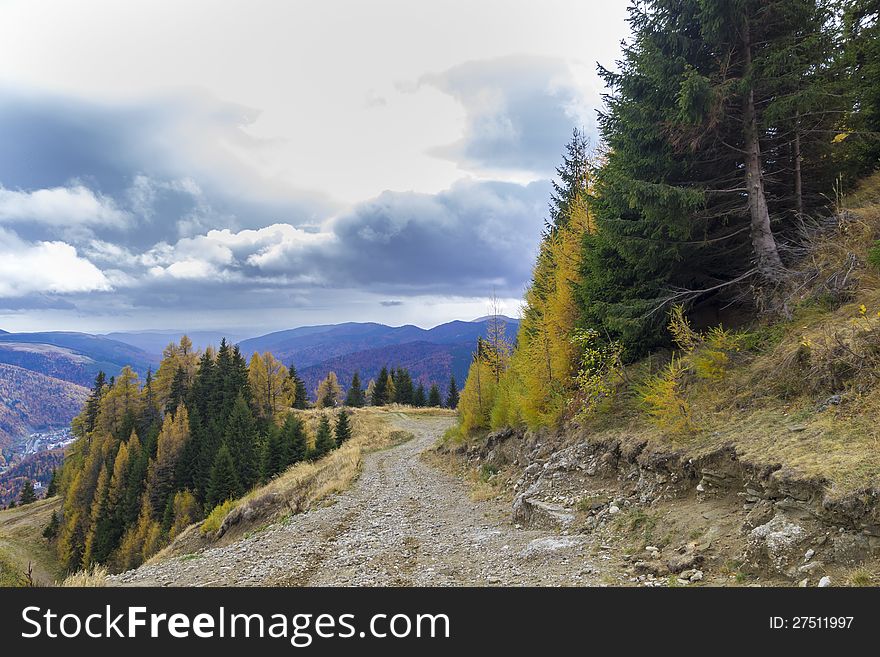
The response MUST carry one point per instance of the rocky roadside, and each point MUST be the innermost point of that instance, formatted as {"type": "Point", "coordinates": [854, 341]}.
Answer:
{"type": "Point", "coordinates": [672, 520]}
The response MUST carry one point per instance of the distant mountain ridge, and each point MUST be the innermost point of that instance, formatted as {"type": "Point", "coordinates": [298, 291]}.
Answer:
{"type": "Point", "coordinates": [54, 357]}
{"type": "Point", "coordinates": [71, 356]}
{"type": "Point", "coordinates": [154, 342]}
{"type": "Point", "coordinates": [431, 355]}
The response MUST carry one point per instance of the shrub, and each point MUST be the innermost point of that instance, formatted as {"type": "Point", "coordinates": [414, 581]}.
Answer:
{"type": "Point", "coordinates": [662, 398]}
{"type": "Point", "coordinates": [215, 518]}
{"type": "Point", "coordinates": [600, 365]}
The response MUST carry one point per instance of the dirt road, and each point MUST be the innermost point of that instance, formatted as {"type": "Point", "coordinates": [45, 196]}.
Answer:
{"type": "Point", "coordinates": [403, 523]}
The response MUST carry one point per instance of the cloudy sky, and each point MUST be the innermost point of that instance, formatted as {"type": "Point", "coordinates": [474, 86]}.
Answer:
{"type": "Point", "coordinates": [256, 165]}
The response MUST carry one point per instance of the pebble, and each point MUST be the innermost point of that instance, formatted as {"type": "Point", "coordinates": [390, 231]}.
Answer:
{"type": "Point", "coordinates": [824, 582]}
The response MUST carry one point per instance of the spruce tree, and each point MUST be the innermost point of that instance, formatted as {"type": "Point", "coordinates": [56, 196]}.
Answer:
{"type": "Point", "coordinates": [705, 115]}
{"type": "Point", "coordinates": [178, 391]}
{"type": "Point", "coordinates": [301, 397]}
{"type": "Point", "coordinates": [343, 427]}
{"type": "Point", "coordinates": [52, 488]}
{"type": "Point", "coordinates": [93, 403]}
{"type": "Point", "coordinates": [452, 394]}
{"type": "Point", "coordinates": [241, 437]}
{"type": "Point", "coordinates": [403, 386]}
{"type": "Point", "coordinates": [51, 530]}
{"type": "Point", "coordinates": [223, 484]}
{"type": "Point", "coordinates": [434, 399]}
{"type": "Point", "coordinates": [355, 396]}
{"type": "Point", "coordinates": [27, 495]}
{"type": "Point", "coordinates": [275, 459]}
{"type": "Point", "coordinates": [380, 389]}
{"type": "Point", "coordinates": [419, 399]}
{"type": "Point", "coordinates": [293, 439]}
{"type": "Point", "coordinates": [324, 442]}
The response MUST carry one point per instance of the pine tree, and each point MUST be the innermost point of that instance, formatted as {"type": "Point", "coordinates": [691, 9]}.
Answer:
{"type": "Point", "coordinates": [452, 394]}
{"type": "Point", "coordinates": [343, 427]}
{"type": "Point", "coordinates": [178, 390]}
{"type": "Point", "coordinates": [275, 459]}
{"type": "Point", "coordinates": [27, 495]}
{"type": "Point", "coordinates": [861, 24]}
{"type": "Point", "coordinates": [380, 389]}
{"type": "Point", "coordinates": [700, 180]}
{"type": "Point", "coordinates": [355, 397]}
{"type": "Point", "coordinates": [240, 436]}
{"type": "Point", "coordinates": [52, 488]}
{"type": "Point", "coordinates": [51, 530]}
{"type": "Point", "coordinates": [434, 399]}
{"type": "Point", "coordinates": [293, 441]}
{"type": "Point", "coordinates": [324, 442]}
{"type": "Point", "coordinates": [90, 413]}
{"type": "Point", "coordinates": [403, 386]}
{"type": "Point", "coordinates": [301, 397]}
{"type": "Point", "coordinates": [419, 399]}
{"type": "Point", "coordinates": [224, 484]}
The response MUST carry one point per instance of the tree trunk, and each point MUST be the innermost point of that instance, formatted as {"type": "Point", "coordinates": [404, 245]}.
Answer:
{"type": "Point", "coordinates": [798, 182]}
{"type": "Point", "coordinates": [767, 259]}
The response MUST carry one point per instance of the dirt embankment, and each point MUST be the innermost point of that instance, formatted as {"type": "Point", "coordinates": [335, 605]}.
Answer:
{"type": "Point", "coordinates": [674, 519]}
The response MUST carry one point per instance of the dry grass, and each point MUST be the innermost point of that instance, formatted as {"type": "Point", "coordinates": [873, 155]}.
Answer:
{"type": "Point", "coordinates": [92, 578]}
{"type": "Point", "coordinates": [22, 543]}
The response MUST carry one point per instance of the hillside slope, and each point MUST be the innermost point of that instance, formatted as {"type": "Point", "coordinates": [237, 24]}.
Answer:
{"type": "Point", "coordinates": [71, 356]}
{"type": "Point", "coordinates": [30, 401]}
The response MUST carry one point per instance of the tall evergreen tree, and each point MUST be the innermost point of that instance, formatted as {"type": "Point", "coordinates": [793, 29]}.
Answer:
{"type": "Point", "coordinates": [355, 396]}
{"type": "Point", "coordinates": [403, 386]}
{"type": "Point", "coordinates": [294, 445]}
{"type": "Point", "coordinates": [240, 437]}
{"type": "Point", "coordinates": [223, 484]}
{"type": "Point", "coordinates": [861, 23]}
{"type": "Point", "coordinates": [93, 403]}
{"type": "Point", "coordinates": [343, 427]}
{"type": "Point", "coordinates": [697, 185]}
{"type": "Point", "coordinates": [380, 389]}
{"type": "Point", "coordinates": [324, 442]}
{"type": "Point", "coordinates": [434, 399]}
{"type": "Point", "coordinates": [419, 399]}
{"type": "Point", "coordinates": [301, 398]}
{"type": "Point", "coordinates": [452, 394]}
{"type": "Point", "coordinates": [27, 494]}
{"type": "Point", "coordinates": [52, 488]}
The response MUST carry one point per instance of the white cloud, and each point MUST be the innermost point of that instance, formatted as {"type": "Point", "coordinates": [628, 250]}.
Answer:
{"type": "Point", "coordinates": [60, 206]}
{"type": "Point", "coordinates": [45, 267]}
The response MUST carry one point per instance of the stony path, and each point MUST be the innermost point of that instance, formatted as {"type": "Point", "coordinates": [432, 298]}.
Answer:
{"type": "Point", "coordinates": [403, 523]}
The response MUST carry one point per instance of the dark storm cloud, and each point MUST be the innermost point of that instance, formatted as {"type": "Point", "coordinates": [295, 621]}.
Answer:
{"type": "Point", "coordinates": [36, 302]}
{"type": "Point", "coordinates": [520, 111]}
{"type": "Point", "coordinates": [163, 161]}
{"type": "Point", "coordinates": [466, 240]}
{"type": "Point", "coordinates": [158, 229]}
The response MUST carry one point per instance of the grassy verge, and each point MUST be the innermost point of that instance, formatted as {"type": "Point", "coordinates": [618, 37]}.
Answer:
{"type": "Point", "coordinates": [22, 544]}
